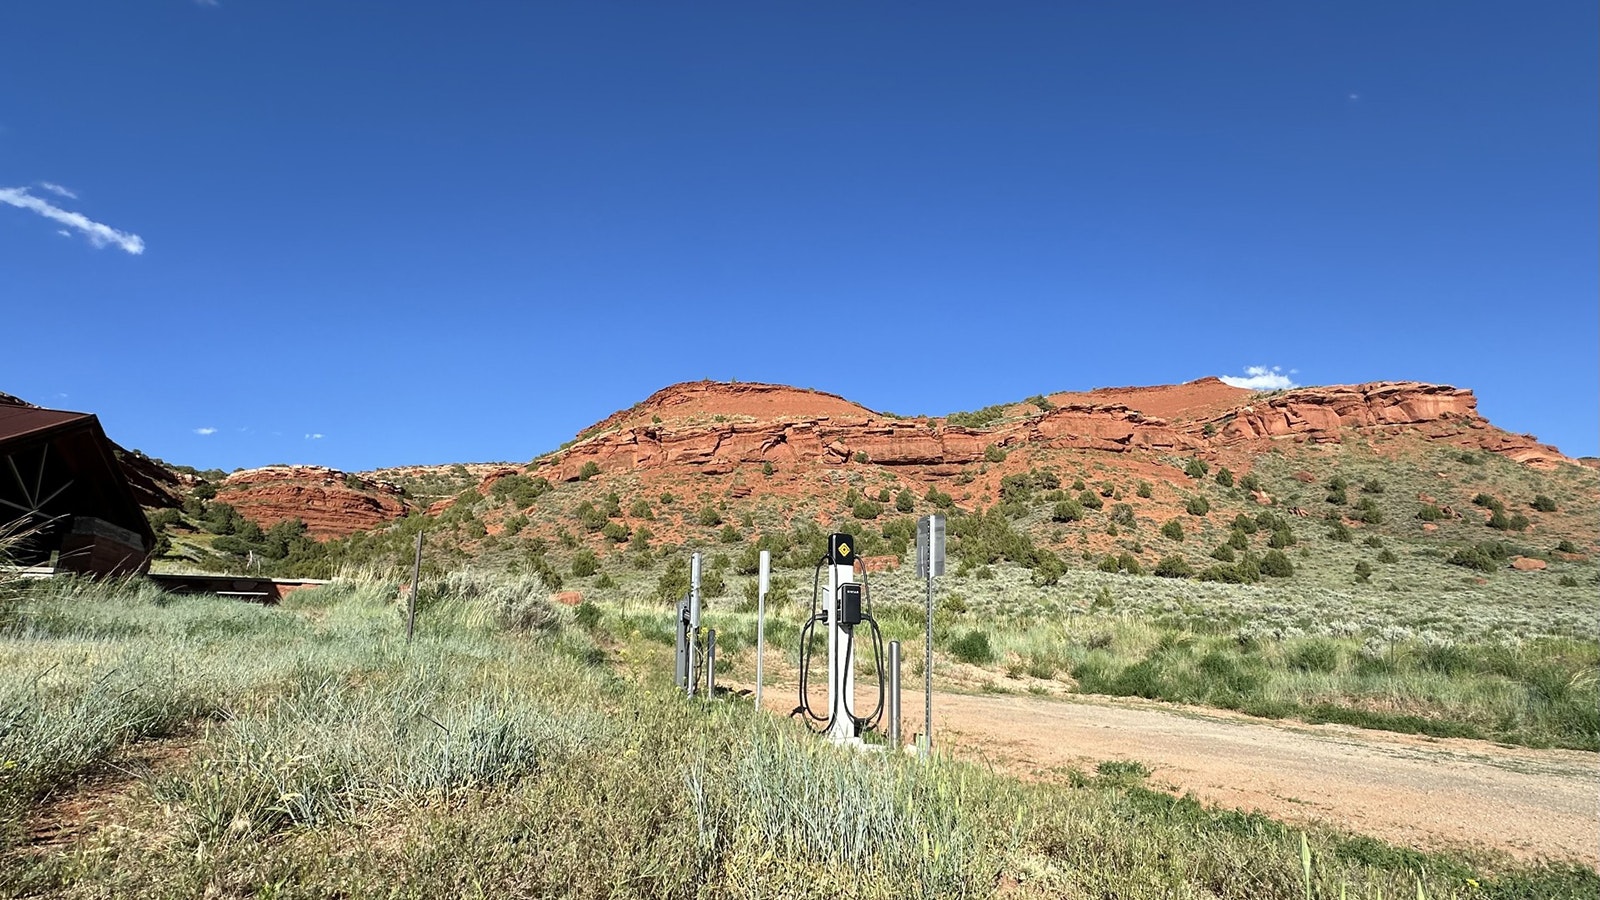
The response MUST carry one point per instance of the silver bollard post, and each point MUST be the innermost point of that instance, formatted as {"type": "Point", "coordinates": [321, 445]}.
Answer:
{"type": "Point", "coordinates": [761, 619]}
{"type": "Point", "coordinates": [694, 617]}
{"type": "Point", "coordinates": [894, 694]}
{"type": "Point", "coordinates": [711, 664]}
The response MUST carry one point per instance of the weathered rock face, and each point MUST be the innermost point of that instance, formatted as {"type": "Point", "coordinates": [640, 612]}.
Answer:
{"type": "Point", "coordinates": [154, 486]}
{"type": "Point", "coordinates": [712, 428]}
{"type": "Point", "coordinates": [330, 502]}
{"type": "Point", "coordinates": [1321, 412]}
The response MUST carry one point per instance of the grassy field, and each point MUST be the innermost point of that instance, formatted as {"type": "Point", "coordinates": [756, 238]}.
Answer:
{"type": "Point", "coordinates": [159, 746]}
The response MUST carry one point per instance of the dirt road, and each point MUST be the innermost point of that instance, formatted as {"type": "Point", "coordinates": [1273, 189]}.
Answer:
{"type": "Point", "coordinates": [1409, 790]}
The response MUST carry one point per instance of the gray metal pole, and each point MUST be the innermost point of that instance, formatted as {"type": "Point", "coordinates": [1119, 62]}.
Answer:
{"type": "Point", "coordinates": [761, 618]}
{"type": "Point", "coordinates": [411, 603]}
{"type": "Point", "coordinates": [927, 673]}
{"type": "Point", "coordinates": [894, 694]}
{"type": "Point", "coordinates": [694, 617]}
{"type": "Point", "coordinates": [711, 664]}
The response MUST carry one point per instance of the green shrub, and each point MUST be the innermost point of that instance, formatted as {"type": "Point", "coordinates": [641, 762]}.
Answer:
{"type": "Point", "coordinates": [1281, 538]}
{"type": "Point", "coordinates": [1223, 553]}
{"type": "Point", "coordinates": [1090, 500]}
{"type": "Point", "coordinates": [1363, 571]}
{"type": "Point", "coordinates": [1250, 482]}
{"type": "Point", "coordinates": [1066, 511]}
{"type": "Point", "coordinates": [1197, 506]}
{"type": "Point", "coordinates": [587, 615]}
{"type": "Point", "coordinates": [589, 470]}
{"type": "Point", "coordinates": [1225, 477]}
{"type": "Point", "coordinates": [1143, 490]}
{"type": "Point", "coordinates": [1430, 512]}
{"type": "Point", "coordinates": [1543, 503]}
{"type": "Point", "coordinates": [708, 517]}
{"type": "Point", "coordinates": [641, 509]}
{"type": "Point", "coordinates": [584, 563]}
{"type": "Point", "coordinates": [866, 509]}
{"type": "Point", "coordinates": [1340, 532]}
{"type": "Point", "coordinates": [1474, 558]}
{"type": "Point", "coordinates": [1197, 468]}
{"type": "Point", "coordinates": [973, 647]}
{"type": "Point", "coordinates": [1238, 541]}
{"type": "Point", "coordinates": [1173, 566]}
{"type": "Point", "coordinates": [1276, 564]}
{"type": "Point", "coordinates": [938, 498]}
{"type": "Point", "coordinates": [1244, 523]}
{"type": "Point", "coordinates": [1387, 557]}
{"type": "Point", "coordinates": [1567, 581]}
{"type": "Point", "coordinates": [977, 418]}
{"type": "Point", "coordinates": [1566, 547]}
{"type": "Point", "coordinates": [1173, 530]}
{"type": "Point", "coordinates": [1315, 655]}
{"type": "Point", "coordinates": [905, 501]}
{"type": "Point", "coordinates": [1122, 514]}
{"type": "Point", "coordinates": [616, 532]}
{"type": "Point", "coordinates": [1372, 486]}
{"type": "Point", "coordinates": [994, 453]}
{"type": "Point", "coordinates": [729, 535]}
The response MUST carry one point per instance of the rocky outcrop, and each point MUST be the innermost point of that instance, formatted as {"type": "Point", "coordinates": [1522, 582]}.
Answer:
{"type": "Point", "coordinates": [330, 502]}
{"type": "Point", "coordinates": [712, 429]}
{"type": "Point", "coordinates": [1323, 411]}
{"type": "Point", "coordinates": [154, 485]}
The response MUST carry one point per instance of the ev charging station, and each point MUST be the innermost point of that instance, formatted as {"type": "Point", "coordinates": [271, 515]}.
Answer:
{"type": "Point", "coordinates": [846, 608]}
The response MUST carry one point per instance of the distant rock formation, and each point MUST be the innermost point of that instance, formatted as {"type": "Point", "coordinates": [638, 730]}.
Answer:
{"type": "Point", "coordinates": [331, 503]}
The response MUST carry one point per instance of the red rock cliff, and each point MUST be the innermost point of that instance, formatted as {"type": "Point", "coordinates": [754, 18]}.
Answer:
{"type": "Point", "coordinates": [330, 502]}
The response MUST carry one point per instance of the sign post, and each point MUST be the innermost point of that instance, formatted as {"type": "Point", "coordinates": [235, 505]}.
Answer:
{"type": "Point", "coordinates": [761, 618]}
{"type": "Point", "coordinates": [930, 563]}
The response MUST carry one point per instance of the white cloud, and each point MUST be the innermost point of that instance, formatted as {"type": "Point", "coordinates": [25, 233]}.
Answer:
{"type": "Point", "coordinates": [63, 232]}
{"type": "Point", "coordinates": [1261, 378]}
{"type": "Point", "coordinates": [313, 437]}
{"type": "Point", "coordinates": [98, 234]}
{"type": "Point", "coordinates": [205, 432]}
{"type": "Point", "coordinates": [58, 190]}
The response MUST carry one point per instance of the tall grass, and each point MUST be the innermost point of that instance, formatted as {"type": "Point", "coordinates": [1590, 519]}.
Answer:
{"type": "Point", "coordinates": [494, 758]}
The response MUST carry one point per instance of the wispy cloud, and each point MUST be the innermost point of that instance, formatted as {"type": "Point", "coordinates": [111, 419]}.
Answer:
{"type": "Point", "coordinates": [314, 437]}
{"type": "Point", "coordinates": [98, 234]}
{"type": "Point", "coordinates": [58, 190]}
{"type": "Point", "coordinates": [1262, 378]}
{"type": "Point", "coordinates": [205, 432]}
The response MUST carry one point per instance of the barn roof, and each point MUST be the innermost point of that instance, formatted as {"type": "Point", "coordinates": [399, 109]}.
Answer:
{"type": "Point", "coordinates": [57, 465]}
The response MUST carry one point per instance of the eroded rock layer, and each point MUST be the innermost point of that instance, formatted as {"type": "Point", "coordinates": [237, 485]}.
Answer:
{"type": "Point", "coordinates": [331, 503]}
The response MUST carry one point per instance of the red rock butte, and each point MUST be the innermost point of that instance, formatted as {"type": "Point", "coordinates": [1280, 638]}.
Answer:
{"type": "Point", "coordinates": [712, 428]}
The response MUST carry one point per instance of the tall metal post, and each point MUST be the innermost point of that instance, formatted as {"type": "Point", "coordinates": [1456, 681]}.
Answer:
{"type": "Point", "coordinates": [411, 603]}
{"type": "Point", "coordinates": [761, 618]}
{"type": "Point", "coordinates": [711, 664]}
{"type": "Point", "coordinates": [927, 676]}
{"type": "Point", "coordinates": [694, 617]}
{"type": "Point", "coordinates": [894, 694]}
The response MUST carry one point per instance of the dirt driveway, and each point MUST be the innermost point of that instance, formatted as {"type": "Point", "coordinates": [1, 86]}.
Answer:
{"type": "Point", "coordinates": [1409, 790]}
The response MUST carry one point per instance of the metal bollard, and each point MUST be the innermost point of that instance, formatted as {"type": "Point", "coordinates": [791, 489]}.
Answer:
{"type": "Point", "coordinates": [711, 664]}
{"type": "Point", "coordinates": [894, 694]}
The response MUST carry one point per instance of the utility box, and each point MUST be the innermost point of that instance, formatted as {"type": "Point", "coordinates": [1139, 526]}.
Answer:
{"type": "Point", "coordinates": [850, 604]}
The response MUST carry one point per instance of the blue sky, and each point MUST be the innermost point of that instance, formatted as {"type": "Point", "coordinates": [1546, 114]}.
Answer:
{"type": "Point", "coordinates": [373, 233]}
